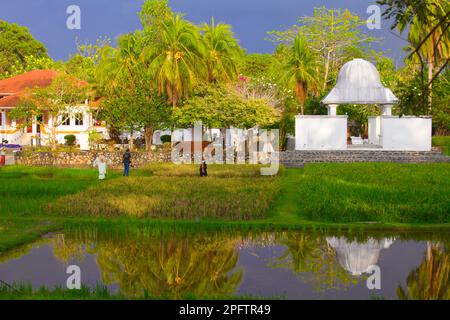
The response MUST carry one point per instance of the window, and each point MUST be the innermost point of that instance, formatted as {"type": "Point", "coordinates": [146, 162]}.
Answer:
{"type": "Point", "coordinates": [65, 118]}
{"type": "Point", "coordinates": [78, 119]}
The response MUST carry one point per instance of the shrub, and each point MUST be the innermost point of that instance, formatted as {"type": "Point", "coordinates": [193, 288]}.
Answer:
{"type": "Point", "coordinates": [70, 139]}
{"type": "Point", "coordinates": [166, 138]}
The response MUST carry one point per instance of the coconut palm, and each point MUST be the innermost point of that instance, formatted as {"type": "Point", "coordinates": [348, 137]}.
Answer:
{"type": "Point", "coordinates": [222, 51]}
{"type": "Point", "coordinates": [433, 52]}
{"type": "Point", "coordinates": [301, 70]}
{"type": "Point", "coordinates": [176, 62]}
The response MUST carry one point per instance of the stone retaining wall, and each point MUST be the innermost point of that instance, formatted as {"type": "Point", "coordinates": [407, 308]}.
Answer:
{"type": "Point", "coordinates": [296, 158]}
{"type": "Point", "coordinates": [86, 158]}
{"type": "Point", "coordinates": [287, 158]}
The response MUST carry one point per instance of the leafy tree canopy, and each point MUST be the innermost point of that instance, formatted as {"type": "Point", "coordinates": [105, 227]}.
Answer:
{"type": "Point", "coordinates": [16, 44]}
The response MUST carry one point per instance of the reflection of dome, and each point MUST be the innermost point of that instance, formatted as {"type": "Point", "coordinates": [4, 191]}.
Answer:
{"type": "Point", "coordinates": [359, 82]}
{"type": "Point", "coordinates": [357, 257]}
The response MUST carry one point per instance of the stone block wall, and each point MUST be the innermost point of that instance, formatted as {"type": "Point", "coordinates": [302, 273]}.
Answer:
{"type": "Point", "coordinates": [295, 158]}
{"type": "Point", "coordinates": [86, 158]}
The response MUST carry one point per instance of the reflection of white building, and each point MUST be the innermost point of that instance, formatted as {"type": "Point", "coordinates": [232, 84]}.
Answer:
{"type": "Point", "coordinates": [357, 257]}
{"type": "Point", "coordinates": [359, 83]}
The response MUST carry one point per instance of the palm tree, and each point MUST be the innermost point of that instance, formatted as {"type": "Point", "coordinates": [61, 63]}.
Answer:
{"type": "Point", "coordinates": [301, 70]}
{"type": "Point", "coordinates": [434, 51]}
{"type": "Point", "coordinates": [176, 62]}
{"type": "Point", "coordinates": [222, 51]}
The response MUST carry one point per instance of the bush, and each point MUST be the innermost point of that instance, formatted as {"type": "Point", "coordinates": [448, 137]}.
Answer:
{"type": "Point", "coordinates": [166, 138]}
{"type": "Point", "coordinates": [70, 139]}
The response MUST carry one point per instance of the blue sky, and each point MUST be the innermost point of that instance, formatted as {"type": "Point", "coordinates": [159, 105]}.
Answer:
{"type": "Point", "coordinates": [251, 19]}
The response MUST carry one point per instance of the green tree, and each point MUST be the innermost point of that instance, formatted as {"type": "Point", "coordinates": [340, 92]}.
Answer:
{"type": "Point", "coordinates": [131, 101]}
{"type": "Point", "coordinates": [335, 35]}
{"type": "Point", "coordinates": [176, 61]}
{"type": "Point", "coordinates": [300, 70]}
{"type": "Point", "coordinates": [428, 25]}
{"type": "Point", "coordinates": [31, 63]}
{"type": "Point", "coordinates": [16, 44]}
{"type": "Point", "coordinates": [221, 107]}
{"type": "Point", "coordinates": [222, 51]}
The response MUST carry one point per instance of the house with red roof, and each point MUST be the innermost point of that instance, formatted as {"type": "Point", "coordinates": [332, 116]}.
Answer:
{"type": "Point", "coordinates": [78, 120]}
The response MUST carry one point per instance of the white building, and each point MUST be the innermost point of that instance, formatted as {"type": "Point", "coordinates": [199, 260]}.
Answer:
{"type": "Point", "coordinates": [359, 83]}
{"type": "Point", "coordinates": [75, 120]}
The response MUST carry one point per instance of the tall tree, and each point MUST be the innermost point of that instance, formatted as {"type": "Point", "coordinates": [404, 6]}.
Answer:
{"type": "Point", "coordinates": [428, 22]}
{"type": "Point", "coordinates": [16, 44]}
{"type": "Point", "coordinates": [131, 101]}
{"type": "Point", "coordinates": [334, 34]}
{"type": "Point", "coordinates": [300, 70]}
{"type": "Point", "coordinates": [222, 51]}
{"type": "Point", "coordinates": [176, 60]}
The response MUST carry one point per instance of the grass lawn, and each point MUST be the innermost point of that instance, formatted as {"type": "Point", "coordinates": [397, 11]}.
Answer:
{"type": "Point", "coordinates": [442, 142]}
{"type": "Point", "coordinates": [370, 195]}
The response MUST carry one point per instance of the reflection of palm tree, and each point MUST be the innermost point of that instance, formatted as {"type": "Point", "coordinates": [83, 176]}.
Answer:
{"type": "Point", "coordinates": [66, 251]}
{"type": "Point", "coordinates": [171, 267]}
{"type": "Point", "coordinates": [431, 280]}
{"type": "Point", "coordinates": [310, 253]}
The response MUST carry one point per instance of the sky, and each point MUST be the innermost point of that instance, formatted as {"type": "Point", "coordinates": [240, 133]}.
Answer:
{"type": "Point", "coordinates": [251, 20]}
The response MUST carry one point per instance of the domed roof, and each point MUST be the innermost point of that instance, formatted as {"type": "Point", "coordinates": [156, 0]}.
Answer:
{"type": "Point", "coordinates": [358, 257]}
{"type": "Point", "coordinates": [359, 83]}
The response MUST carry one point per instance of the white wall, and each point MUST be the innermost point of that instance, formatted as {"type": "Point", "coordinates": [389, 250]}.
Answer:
{"type": "Point", "coordinates": [374, 130]}
{"type": "Point", "coordinates": [321, 132]}
{"type": "Point", "coordinates": [406, 133]}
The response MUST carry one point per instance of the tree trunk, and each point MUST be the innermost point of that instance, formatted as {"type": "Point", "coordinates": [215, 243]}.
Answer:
{"type": "Point", "coordinates": [327, 68]}
{"type": "Point", "coordinates": [148, 135]}
{"type": "Point", "coordinates": [430, 83]}
{"type": "Point", "coordinates": [301, 94]}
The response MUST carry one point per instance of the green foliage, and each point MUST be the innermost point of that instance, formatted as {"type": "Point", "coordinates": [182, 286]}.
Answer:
{"type": "Point", "coordinates": [300, 72]}
{"type": "Point", "coordinates": [166, 138]}
{"type": "Point", "coordinates": [335, 35]}
{"type": "Point", "coordinates": [16, 44]}
{"type": "Point", "coordinates": [30, 63]}
{"type": "Point", "coordinates": [221, 107]}
{"type": "Point", "coordinates": [222, 52]}
{"type": "Point", "coordinates": [94, 137]}
{"type": "Point", "coordinates": [70, 139]}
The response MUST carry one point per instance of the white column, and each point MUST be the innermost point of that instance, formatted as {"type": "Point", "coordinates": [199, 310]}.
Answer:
{"type": "Point", "coordinates": [386, 110]}
{"type": "Point", "coordinates": [332, 109]}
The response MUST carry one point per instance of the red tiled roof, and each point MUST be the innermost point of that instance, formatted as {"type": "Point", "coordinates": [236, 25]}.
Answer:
{"type": "Point", "coordinates": [36, 78]}
{"type": "Point", "coordinates": [10, 101]}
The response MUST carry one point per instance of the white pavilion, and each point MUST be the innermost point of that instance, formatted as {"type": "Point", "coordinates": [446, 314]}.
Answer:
{"type": "Point", "coordinates": [359, 83]}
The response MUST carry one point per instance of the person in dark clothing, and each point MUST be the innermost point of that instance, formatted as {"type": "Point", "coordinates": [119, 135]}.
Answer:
{"type": "Point", "coordinates": [203, 169]}
{"type": "Point", "coordinates": [126, 163]}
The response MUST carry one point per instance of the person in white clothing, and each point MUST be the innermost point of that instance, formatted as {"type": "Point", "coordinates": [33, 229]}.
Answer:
{"type": "Point", "coordinates": [101, 163]}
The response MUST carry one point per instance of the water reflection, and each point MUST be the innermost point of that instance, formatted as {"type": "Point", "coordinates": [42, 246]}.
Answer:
{"type": "Point", "coordinates": [204, 264]}
{"type": "Point", "coordinates": [430, 281]}
{"type": "Point", "coordinates": [356, 257]}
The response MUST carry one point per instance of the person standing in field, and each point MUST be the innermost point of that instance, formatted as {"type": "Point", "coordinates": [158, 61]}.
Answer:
{"type": "Point", "coordinates": [101, 163]}
{"type": "Point", "coordinates": [203, 169]}
{"type": "Point", "coordinates": [126, 163]}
